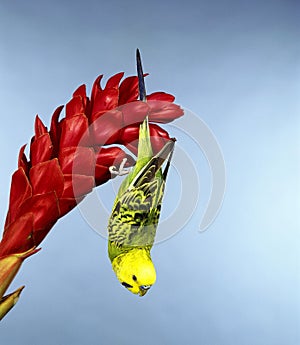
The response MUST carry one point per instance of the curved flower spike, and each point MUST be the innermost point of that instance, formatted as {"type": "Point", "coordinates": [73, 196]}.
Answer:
{"type": "Point", "coordinates": [66, 162]}
{"type": "Point", "coordinates": [42, 188]}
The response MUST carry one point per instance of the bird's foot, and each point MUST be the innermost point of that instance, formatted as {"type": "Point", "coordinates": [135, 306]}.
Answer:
{"type": "Point", "coordinates": [121, 171]}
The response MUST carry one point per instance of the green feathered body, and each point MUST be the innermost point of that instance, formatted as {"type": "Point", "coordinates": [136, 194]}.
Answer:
{"type": "Point", "coordinates": [136, 210]}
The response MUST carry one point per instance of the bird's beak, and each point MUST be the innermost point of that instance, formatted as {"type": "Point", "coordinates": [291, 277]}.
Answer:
{"type": "Point", "coordinates": [143, 289]}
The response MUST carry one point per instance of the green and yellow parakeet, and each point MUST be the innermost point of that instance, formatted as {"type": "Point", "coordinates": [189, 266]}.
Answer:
{"type": "Point", "coordinates": [135, 215]}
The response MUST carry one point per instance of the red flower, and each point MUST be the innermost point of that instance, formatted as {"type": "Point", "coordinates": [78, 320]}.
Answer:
{"type": "Point", "coordinates": [72, 153]}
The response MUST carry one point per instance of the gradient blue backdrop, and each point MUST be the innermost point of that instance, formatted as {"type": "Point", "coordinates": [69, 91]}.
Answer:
{"type": "Point", "coordinates": [236, 64]}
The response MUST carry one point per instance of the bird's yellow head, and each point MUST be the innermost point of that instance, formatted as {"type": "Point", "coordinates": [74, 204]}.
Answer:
{"type": "Point", "coordinates": [135, 270]}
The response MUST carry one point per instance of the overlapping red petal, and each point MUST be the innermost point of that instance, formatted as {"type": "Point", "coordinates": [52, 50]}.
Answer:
{"type": "Point", "coordinates": [67, 161]}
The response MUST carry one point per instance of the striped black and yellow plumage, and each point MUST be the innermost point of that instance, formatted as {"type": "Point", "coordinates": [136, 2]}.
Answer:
{"type": "Point", "coordinates": [135, 215]}
{"type": "Point", "coordinates": [136, 211]}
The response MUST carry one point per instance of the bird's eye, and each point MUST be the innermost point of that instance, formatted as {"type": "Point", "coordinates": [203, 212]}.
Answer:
{"type": "Point", "coordinates": [126, 285]}
{"type": "Point", "coordinates": [134, 278]}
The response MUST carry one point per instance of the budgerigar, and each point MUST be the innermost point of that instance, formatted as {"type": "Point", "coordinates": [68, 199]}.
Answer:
{"type": "Point", "coordinates": [135, 215]}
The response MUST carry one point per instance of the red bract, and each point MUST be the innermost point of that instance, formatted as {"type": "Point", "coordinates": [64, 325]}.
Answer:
{"type": "Point", "coordinates": [72, 153]}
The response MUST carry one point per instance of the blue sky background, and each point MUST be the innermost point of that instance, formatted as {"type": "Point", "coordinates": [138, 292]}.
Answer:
{"type": "Point", "coordinates": [236, 65]}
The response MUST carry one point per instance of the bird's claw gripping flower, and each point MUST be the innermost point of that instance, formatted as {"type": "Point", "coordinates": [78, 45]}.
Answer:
{"type": "Point", "coordinates": [68, 160]}
{"type": "Point", "coordinates": [121, 171]}
{"type": "Point", "coordinates": [135, 214]}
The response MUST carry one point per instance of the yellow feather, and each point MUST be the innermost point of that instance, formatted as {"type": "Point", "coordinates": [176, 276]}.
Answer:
{"type": "Point", "coordinates": [135, 270]}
